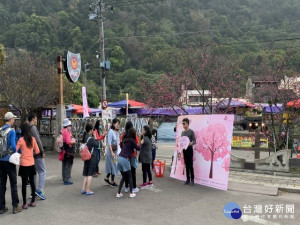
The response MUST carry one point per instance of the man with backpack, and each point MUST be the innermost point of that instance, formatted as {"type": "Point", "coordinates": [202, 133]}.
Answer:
{"type": "Point", "coordinates": [39, 161]}
{"type": "Point", "coordinates": [7, 169]}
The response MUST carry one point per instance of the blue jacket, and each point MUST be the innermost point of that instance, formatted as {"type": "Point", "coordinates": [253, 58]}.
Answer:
{"type": "Point", "coordinates": [11, 141]}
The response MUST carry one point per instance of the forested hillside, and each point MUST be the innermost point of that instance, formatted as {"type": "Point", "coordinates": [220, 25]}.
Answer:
{"type": "Point", "coordinates": [144, 37]}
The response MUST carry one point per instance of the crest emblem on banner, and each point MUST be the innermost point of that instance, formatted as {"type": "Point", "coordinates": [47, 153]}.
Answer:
{"type": "Point", "coordinates": [73, 66]}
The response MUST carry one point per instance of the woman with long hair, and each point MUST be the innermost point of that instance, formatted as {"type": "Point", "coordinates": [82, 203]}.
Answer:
{"type": "Point", "coordinates": [128, 147]}
{"type": "Point", "coordinates": [146, 156]}
{"type": "Point", "coordinates": [90, 165]}
{"type": "Point", "coordinates": [99, 137]}
{"type": "Point", "coordinates": [111, 152]}
{"type": "Point", "coordinates": [28, 147]}
{"type": "Point", "coordinates": [133, 158]}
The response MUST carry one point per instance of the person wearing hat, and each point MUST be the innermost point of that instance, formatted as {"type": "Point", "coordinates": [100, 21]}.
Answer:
{"type": "Point", "coordinates": [8, 169]}
{"type": "Point", "coordinates": [68, 142]}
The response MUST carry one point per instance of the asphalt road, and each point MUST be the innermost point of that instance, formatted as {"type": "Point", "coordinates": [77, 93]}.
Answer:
{"type": "Point", "coordinates": [169, 202]}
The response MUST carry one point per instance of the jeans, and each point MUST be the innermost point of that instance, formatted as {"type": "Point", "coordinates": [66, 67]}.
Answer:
{"type": "Point", "coordinates": [153, 157]}
{"type": "Point", "coordinates": [8, 169]}
{"type": "Point", "coordinates": [146, 171]}
{"type": "Point", "coordinates": [98, 157]}
{"type": "Point", "coordinates": [188, 160]}
{"type": "Point", "coordinates": [41, 170]}
{"type": "Point", "coordinates": [67, 164]}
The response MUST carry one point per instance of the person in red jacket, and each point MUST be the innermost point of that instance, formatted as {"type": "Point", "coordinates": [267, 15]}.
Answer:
{"type": "Point", "coordinates": [98, 130]}
{"type": "Point", "coordinates": [68, 142]}
{"type": "Point", "coordinates": [133, 160]}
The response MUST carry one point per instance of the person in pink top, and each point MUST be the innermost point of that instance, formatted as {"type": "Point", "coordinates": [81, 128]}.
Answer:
{"type": "Point", "coordinates": [28, 147]}
{"type": "Point", "coordinates": [68, 142]}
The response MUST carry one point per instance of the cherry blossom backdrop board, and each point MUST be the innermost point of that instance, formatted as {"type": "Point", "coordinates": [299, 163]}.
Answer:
{"type": "Point", "coordinates": [212, 150]}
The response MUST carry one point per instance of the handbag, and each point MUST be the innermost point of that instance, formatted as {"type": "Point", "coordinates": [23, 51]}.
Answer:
{"type": "Point", "coordinates": [85, 153]}
{"type": "Point", "coordinates": [61, 155]}
{"type": "Point", "coordinates": [15, 159]}
{"type": "Point", "coordinates": [114, 147]}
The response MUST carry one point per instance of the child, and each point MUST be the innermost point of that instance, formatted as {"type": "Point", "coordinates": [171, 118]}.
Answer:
{"type": "Point", "coordinates": [28, 147]}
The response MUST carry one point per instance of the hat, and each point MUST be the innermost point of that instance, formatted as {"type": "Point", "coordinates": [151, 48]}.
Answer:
{"type": "Point", "coordinates": [67, 123]}
{"type": "Point", "coordinates": [9, 116]}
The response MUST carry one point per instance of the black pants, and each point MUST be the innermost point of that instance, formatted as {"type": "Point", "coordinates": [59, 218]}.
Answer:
{"type": "Point", "coordinates": [24, 187]}
{"type": "Point", "coordinates": [67, 164]}
{"type": "Point", "coordinates": [146, 171]}
{"type": "Point", "coordinates": [133, 174]}
{"type": "Point", "coordinates": [8, 169]}
{"type": "Point", "coordinates": [188, 160]}
{"type": "Point", "coordinates": [126, 177]}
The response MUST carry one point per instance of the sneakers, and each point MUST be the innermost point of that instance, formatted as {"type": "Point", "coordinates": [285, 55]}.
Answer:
{"type": "Point", "coordinates": [32, 204]}
{"type": "Point", "coordinates": [143, 185]}
{"type": "Point", "coordinates": [107, 181]}
{"type": "Point", "coordinates": [68, 183]}
{"type": "Point", "coordinates": [126, 190]}
{"type": "Point", "coordinates": [135, 190]}
{"type": "Point", "coordinates": [119, 195]}
{"type": "Point", "coordinates": [83, 192]}
{"type": "Point", "coordinates": [187, 182]}
{"type": "Point", "coordinates": [150, 184]}
{"type": "Point", "coordinates": [132, 195]}
{"type": "Point", "coordinates": [40, 194]}
{"type": "Point", "coordinates": [114, 184]}
{"type": "Point", "coordinates": [3, 210]}
{"type": "Point", "coordinates": [17, 209]}
{"type": "Point", "coordinates": [25, 206]}
{"type": "Point", "coordinates": [89, 193]}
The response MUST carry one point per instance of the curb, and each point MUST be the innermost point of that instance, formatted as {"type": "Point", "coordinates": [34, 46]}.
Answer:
{"type": "Point", "coordinates": [264, 172]}
{"type": "Point", "coordinates": [290, 190]}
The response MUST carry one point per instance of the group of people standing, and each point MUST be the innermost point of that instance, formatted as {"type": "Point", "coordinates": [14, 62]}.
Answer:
{"type": "Point", "coordinates": [121, 155]}
{"type": "Point", "coordinates": [30, 147]}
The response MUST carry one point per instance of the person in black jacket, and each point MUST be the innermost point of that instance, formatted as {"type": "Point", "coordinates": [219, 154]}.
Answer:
{"type": "Point", "coordinates": [90, 166]}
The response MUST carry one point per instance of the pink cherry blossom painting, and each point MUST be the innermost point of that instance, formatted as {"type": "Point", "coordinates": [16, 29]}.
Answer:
{"type": "Point", "coordinates": [212, 150]}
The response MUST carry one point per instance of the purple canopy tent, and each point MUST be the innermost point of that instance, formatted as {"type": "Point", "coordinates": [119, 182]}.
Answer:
{"type": "Point", "coordinates": [272, 109]}
{"type": "Point", "coordinates": [234, 103]}
{"type": "Point", "coordinates": [170, 111]}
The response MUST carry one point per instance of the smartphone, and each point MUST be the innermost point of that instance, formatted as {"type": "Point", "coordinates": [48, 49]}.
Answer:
{"type": "Point", "coordinates": [142, 136]}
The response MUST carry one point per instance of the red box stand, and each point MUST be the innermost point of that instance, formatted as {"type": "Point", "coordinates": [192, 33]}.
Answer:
{"type": "Point", "coordinates": [159, 168]}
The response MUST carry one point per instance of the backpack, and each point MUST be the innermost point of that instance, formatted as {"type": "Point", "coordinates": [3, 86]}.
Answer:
{"type": "Point", "coordinates": [59, 142]}
{"type": "Point", "coordinates": [3, 142]}
{"type": "Point", "coordinates": [85, 153]}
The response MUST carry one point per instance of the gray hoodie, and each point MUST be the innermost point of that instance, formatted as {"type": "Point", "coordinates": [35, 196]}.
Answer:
{"type": "Point", "coordinates": [36, 135]}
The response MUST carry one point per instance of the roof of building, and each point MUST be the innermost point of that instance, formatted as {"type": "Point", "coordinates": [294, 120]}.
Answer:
{"type": "Point", "coordinates": [264, 79]}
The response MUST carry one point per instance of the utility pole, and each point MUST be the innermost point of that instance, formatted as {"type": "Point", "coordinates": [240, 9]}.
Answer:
{"type": "Point", "coordinates": [97, 10]}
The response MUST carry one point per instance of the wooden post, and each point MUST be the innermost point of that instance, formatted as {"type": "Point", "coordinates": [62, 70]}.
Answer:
{"type": "Point", "coordinates": [60, 75]}
{"type": "Point", "coordinates": [60, 109]}
{"type": "Point", "coordinates": [127, 99]}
